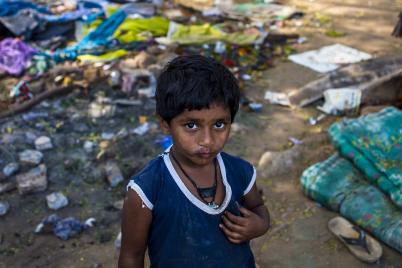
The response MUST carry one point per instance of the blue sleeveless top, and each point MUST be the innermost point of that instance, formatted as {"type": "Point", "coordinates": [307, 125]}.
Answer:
{"type": "Point", "coordinates": [185, 231]}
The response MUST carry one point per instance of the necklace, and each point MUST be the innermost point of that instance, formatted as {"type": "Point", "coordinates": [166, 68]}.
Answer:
{"type": "Point", "coordinates": [206, 192]}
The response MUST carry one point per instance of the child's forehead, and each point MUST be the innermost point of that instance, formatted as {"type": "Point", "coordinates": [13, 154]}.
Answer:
{"type": "Point", "coordinates": [214, 111]}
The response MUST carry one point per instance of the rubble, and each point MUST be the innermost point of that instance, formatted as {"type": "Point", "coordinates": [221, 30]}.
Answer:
{"type": "Point", "coordinates": [113, 174]}
{"type": "Point", "coordinates": [4, 207]}
{"type": "Point", "coordinates": [56, 200]}
{"type": "Point", "coordinates": [43, 143]}
{"type": "Point", "coordinates": [31, 157]}
{"type": "Point", "coordinates": [10, 169]}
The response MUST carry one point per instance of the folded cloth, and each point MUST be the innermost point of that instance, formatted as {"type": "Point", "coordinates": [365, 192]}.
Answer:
{"type": "Point", "coordinates": [373, 143]}
{"type": "Point", "coordinates": [338, 185]}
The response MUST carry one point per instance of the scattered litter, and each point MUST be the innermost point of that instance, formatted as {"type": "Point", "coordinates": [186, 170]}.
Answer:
{"type": "Point", "coordinates": [329, 58]}
{"type": "Point", "coordinates": [43, 143]}
{"type": "Point", "coordinates": [143, 128]}
{"type": "Point", "coordinates": [164, 141]}
{"type": "Point", "coordinates": [10, 169]}
{"type": "Point", "coordinates": [34, 115]}
{"type": "Point", "coordinates": [113, 174]}
{"type": "Point", "coordinates": [56, 200]}
{"type": "Point", "coordinates": [63, 228]}
{"type": "Point", "coordinates": [277, 98]}
{"type": "Point", "coordinates": [295, 141]}
{"type": "Point", "coordinates": [313, 121]}
{"type": "Point", "coordinates": [341, 100]}
{"type": "Point", "coordinates": [89, 146]}
{"type": "Point", "coordinates": [107, 135]}
{"type": "Point", "coordinates": [255, 107]}
{"type": "Point", "coordinates": [4, 207]}
{"type": "Point", "coordinates": [117, 242]}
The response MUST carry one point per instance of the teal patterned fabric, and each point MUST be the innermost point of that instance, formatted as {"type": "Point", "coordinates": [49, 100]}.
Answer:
{"type": "Point", "coordinates": [363, 180]}
{"type": "Point", "coordinates": [373, 143]}
{"type": "Point", "coordinates": [338, 185]}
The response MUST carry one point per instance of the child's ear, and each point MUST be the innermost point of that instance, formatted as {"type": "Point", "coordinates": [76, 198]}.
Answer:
{"type": "Point", "coordinates": [164, 125]}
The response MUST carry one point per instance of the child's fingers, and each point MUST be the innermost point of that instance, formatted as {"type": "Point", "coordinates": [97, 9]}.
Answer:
{"type": "Point", "coordinates": [230, 225]}
{"type": "Point", "coordinates": [230, 234]}
{"type": "Point", "coordinates": [236, 219]}
{"type": "Point", "coordinates": [245, 212]}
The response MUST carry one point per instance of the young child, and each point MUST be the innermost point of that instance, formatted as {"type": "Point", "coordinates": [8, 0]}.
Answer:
{"type": "Point", "coordinates": [194, 205]}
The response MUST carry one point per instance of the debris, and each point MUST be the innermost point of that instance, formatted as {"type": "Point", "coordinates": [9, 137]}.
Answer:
{"type": "Point", "coordinates": [165, 141]}
{"type": "Point", "coordinates": [143, 128]}
{"type": "Point", "coordinates": [117, 242]}
{"type": "Point", "coordinates": [295, 141]}
{"type": "Point", "coordinates": [340, 101]}
{"type": "Point", "coordinates": [4, 207]}
{"type": "Point", "coordinates": [6, 187]}
{"type": "Point", "coordinates": [31, 157]}
{"type": "Point", "coordinates": [118, 204]}
{"type": "Point", "coordinates": [329, 58]}
{"type": "Point", "coordinates": [113, 174]}
{"type": "Point", "coordinates": [313, 121]}
{"type": "Point", "coordinates": [34, 115]}
{"type": "Point", "coordinates": [10, 169]}
{"type": "Point", "coordinates": [43, 143]}
{"type": "Point", "coordinates": [379, 80]}
{"type": "Point", "coordinates": [35, 180]}
{"type": "Point", "coordinates": [107, 135]}
{"type": "Point", "coordinates": [56, 200]}
{"type": "Point", "coordinates": [277, 98]}
{"type": "Point", "coordinates": [255, 107]}
{"type": "Point", "coordinates": [89, 146]}
{"type": "Point", "coordinates": [63, 228]}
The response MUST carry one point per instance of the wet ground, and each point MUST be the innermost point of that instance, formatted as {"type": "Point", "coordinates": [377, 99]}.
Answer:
{"type": "Point", "coordinates": [299, 235]}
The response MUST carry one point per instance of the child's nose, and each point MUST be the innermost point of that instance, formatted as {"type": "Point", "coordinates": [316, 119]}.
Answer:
{"type": "Point", "coordinates": [206, 138]}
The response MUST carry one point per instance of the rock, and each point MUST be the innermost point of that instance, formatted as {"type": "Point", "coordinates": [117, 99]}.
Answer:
{"type": "Point", "coordinates": [30, 137]}
{"type": "Point", "coordinates": [10, 169]}
{"type": "Point", "coordinates": [43, 143]}
{"type": "Point", "coordinates": [32, 181]}
{"type": "Point", "coordinates": [113, 174]}
{"type": "Point", "coordinates": [56, 200]}
{"type": "Point", "coordinates": [97, 110]}
{"type": "Point", "coordinates": [6, 187]}
{"type": "Point", "coordinates": [274, 164]}
{"type": "Point", "coordinates": [31, 157]}
{"type": "Point", "coordinates": [4, 207]}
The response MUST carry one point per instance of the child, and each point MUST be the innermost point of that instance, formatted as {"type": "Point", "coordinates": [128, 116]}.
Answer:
{"type": "Point", "coordinates": [194, 205]}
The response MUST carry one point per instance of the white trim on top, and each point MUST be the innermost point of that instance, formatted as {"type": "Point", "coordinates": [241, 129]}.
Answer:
{"type": "Point", "coordinates": [142, 195]}
{"type": "Point", "coordinates": [250, 185]}
{"type": "Point", "coordinates": [198, 203]}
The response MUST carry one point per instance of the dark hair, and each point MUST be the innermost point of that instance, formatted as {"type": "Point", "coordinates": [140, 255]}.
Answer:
{"type": "Point", "coordinates": [195, 82]}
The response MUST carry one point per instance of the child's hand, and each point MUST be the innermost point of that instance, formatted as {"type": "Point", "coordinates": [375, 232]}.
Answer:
{"type": "Point", "coordinates": [240, 229]}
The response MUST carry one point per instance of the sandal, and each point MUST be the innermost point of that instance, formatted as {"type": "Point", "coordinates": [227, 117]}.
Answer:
{"type": "Point", "coordinates": [360, 244]}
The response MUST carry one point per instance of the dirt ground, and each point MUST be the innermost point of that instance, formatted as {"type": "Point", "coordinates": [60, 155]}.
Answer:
{"type": "Point", "coordinates": [299, 235]}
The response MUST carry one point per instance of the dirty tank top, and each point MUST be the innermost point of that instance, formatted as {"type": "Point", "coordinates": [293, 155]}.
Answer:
{"type": "Point", "coordinates": [185, 231]}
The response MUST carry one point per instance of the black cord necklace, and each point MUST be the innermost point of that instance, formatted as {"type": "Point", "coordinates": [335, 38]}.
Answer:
{"type": "Point", "coordinates": [204, 193]}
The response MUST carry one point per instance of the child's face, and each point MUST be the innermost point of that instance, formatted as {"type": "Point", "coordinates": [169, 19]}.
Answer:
{"type": "Point", "coordinates": [199, 135]}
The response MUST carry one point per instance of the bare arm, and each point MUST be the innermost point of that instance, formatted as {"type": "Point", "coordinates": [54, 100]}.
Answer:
{"type": "Point", "coordinates": [135, 226]}
{"type": "Point", "coordinates": [254, 222]}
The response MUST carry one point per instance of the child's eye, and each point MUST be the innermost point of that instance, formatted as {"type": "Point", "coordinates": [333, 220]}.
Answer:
{"type": "Point", "coordinates": [219, 125]}
{"type": "Point", "coordinates": [190, 125]}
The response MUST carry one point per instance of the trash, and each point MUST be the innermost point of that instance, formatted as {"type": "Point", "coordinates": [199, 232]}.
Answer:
{"type": "Point", "coordinates": [113, 174]}
{"type": "Point", "coordinates": [377, 79]}
{"type": "Point", "coordinates": [10, 169]}
{"type": "Point", "coordinates": [143, 128]}
{"type": "Point", "coordinates": [4, 207]}
{"type": "Point", "coordinates": [98, 110]}
{"type": "Point", "coordinates": [89, 146]}
{"type": "Point", "coordinates": [56, 200]}
{"type": "Point", "coordinates": [115, 78]}
{"type": "Point", "coordinates": [31, 157]}
{"type": "Point", "coordinates": [118, 204]}
{"type": "Point", "coordinates": [255, 107]}
{"type": "Point", "coordinates": [117, 242]}
{"type": "Point", "coordinates": [340, 101]}
{"type": "Point", "coordinates": [164, 141]}
{"type": "Point", "coordinates": [107, 135]}
{"type": "Point", "coordinates": [313, 121]}
{"type": "Point", "coordinates": [43, 143]}
{"type": "Point", "coordinates": [277, 98]}
{"type": "Point", "coordinates": [329, 58]}
{"type": "Point", "coordinates": [30, 137]}
{"type": "Point", "coordinates": [15, 55]}
{"type": "Point", "coordinates": [63, 228]}
{"type": "Point", "coordinates": [34, 115]}
{"type": "Point", "coordinates": [35, 180]}
{"type": "Point", "coordinates": [295, 141]}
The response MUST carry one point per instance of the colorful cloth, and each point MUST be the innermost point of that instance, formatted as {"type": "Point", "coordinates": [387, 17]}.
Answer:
{"type": "Point", "coordinates": [339, 186]}
{"type": "Point", "coordinates": [373, 143]}
{"type": "Point", "coordinates": [15, 56]}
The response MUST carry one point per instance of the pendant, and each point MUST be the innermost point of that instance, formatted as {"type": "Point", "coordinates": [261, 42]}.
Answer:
{"type": "Point", "coordinates": [213, 205]}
